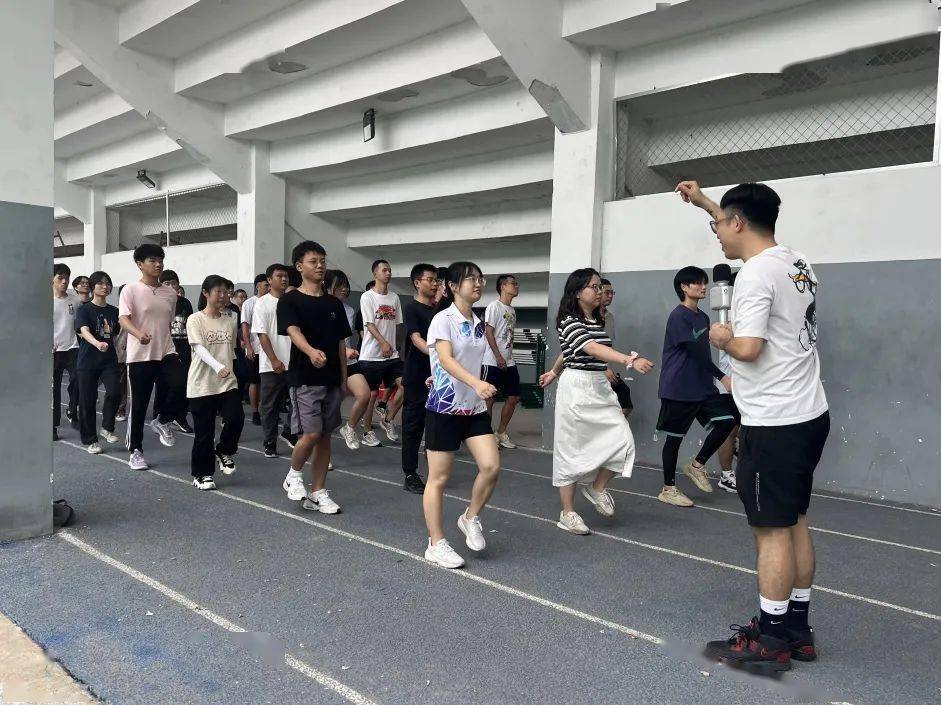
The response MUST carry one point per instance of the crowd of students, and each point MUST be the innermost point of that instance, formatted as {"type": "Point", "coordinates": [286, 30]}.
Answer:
{"type": "Point", "coordinates": [296, 347]}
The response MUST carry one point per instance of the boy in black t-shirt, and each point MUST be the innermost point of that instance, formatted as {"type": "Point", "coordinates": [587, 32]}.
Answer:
{"type": "Point", "coordinates": [96, 323]}
{"type": "Point", "coordinates": [184, 309]}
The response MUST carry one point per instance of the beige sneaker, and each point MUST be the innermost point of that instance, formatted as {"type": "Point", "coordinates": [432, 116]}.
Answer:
{"type": "Point", "coordinates": [504, 440]}
{"type": "Point", "coordinates": [572, 523]}
{"type": "Point", "coordinates": [698, 476]}
{"type": "Point", "coordinates": [672, 495]}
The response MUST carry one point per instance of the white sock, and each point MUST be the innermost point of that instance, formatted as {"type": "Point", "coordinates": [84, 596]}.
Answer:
{"type": "Point", "coordinates": [773, 607]}
{"type": "Point", "coordinates": [292, 473]}
{"type": "Point", "coordinates": [800, 595]}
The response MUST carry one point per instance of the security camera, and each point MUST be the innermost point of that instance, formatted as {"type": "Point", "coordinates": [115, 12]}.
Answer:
{"type": "Point", "coordinates": [146, 180]}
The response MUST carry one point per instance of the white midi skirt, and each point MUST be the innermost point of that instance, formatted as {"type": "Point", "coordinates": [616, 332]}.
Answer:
{"type": "Point", "coordinates": [590, 429]}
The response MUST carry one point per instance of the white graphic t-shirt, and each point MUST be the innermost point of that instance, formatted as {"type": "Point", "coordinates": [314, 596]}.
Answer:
{"type": "Point", "coordinates": [385, 312]}
{"type": "Point", "coordinates": [503, 320]}
{"type": "Point", "coordinates": [248, 311]}
{"type": "Point", "coordinates": [775, 299]}
{"type": "Point", "coordinates": [468, 344]}
{"type": "Point", "coordinates": [265, 320]}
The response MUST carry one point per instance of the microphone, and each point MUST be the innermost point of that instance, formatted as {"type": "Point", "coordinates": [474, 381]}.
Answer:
{"type": "Point", "coordinates": [720, 296]}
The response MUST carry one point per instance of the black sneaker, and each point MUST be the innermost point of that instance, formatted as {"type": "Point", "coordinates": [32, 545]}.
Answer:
{"type": "Point", "coordinates": [289, 438]}
{"type": "Point", "coordinates": [751, 650]}
{"type": "Point", "coordinates": [256, 418]}
{"type": "Point", "coordinates": [802, 645]}
{"type": "Point", "coordinates": [182, 425]}
{"type": "Point", "coordinates": [414, 483]}
{"type": "Point", "coordinates": [271, 450]}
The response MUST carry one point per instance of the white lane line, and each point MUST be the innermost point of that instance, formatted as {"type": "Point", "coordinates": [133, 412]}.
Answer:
{"type": "Point", "coordinates": [305, 669]}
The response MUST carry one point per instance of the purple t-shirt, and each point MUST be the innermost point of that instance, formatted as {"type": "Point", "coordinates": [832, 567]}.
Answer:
{"type": "Point", "coordinates": [687, 370]}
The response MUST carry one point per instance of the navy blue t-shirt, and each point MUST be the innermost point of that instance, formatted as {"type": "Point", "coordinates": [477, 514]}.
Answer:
{"type": "Point", "coordinates": [102, 322]}
{"type": "Point", "coordinates": [687, 370]}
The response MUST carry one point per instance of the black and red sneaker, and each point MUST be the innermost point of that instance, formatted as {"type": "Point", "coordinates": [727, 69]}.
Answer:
{"type": "Point", "coordinates": [802, 646]}
{"type": "Point", "coordinates": [751, 650]}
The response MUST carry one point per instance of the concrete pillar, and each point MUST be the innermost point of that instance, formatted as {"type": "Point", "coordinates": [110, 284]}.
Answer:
{"type": "Point", "coordinates": [260, 218]}
{"type": "Point", "coordinates": [26, 214]}
{"type": "Point", "coordinates": [95, 231]}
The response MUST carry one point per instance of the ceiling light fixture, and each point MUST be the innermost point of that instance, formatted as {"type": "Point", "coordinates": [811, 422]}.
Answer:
{"type": "Point", "coordinates": [394, 96]}
{"type": "Point", "coordinates": [286, 66]}
{"type": "Point", "coordinates": [369, 124]}
{"type": "Point", "coordinates": [83, 84]}
{"type": "Point", "coordinates": [479, 77]}
{"type": "Point", "coordinates": [110, 175]}
{"type": "Point", "coordinates": [146, 180]}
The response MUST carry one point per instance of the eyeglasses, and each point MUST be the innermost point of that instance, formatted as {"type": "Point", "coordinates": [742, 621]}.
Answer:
{"type": "Point", "coordinates": [433, 280]}
{"type": "Point", "coordinates": [594, 287]}
{"type": "Point", "coordinates": [714, 224]}
{"type": "Point", "coordinates": [480, 281]}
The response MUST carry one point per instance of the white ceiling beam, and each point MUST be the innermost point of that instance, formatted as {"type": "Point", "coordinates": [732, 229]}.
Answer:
{"type": "Point", "coordinates": [97, 109]}
{"type": "Point", "coordinates": [89, 32]}
{"type": "Point", "coordinates": [63, 62]}
{"type": "Point", "coordinates": [72, 198]}
{"type": "Point", "coordinates": [135, 150]}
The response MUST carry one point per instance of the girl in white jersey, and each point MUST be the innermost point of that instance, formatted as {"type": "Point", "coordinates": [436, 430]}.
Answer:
{"type": "Point", "coordinates": [456, 412]}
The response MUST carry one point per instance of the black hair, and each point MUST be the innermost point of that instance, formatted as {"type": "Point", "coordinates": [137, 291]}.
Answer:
{"type": "Point", "coordinates": [303, 248]}
{"type": "Point", "coordinates": [148, 249]}
{"type": "Point", "coordinates": [370, 285]}
{"type": "Point", "coordinates": [62, 269]}
{"type": "Point", "coordinates": [688, 275]}
{"type": "Point", "coordinates": [757, 203]}
{"type": "Point", "coordinates": [568, 305]}
{"type": "Point", "coordinates": [456, 273]}
{"type": "Point", "coordinates": [419, 269]}
{"type": "Point", "coordinates": [272, 268]}
{"type": "Point", "coordinates": [335, 278]}
{"type": "Point", "coordinates": [294, 277]}
{"type": "Point", "coordinates": [377, 263]}
{"type": "Point", "coordinates": [77, 279]}
{"type": "Point", "coordinates": [259, 278]}
{"type": "Point", "coordinates": [210, 283]}
{"type": "Point", "coordinates": [95, 277]}
{"type": "Point", "coordinates": [502, 279]}
{"type": "Point", "coordinates": [605, 282]}
{"type": "Point", "coordinates": [236, 291]}
{"type": "Point", "coordinates": [168, 275]}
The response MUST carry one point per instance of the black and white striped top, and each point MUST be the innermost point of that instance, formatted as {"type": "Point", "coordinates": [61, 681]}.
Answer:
{"type": "Point", "coordinates": [574, 335]}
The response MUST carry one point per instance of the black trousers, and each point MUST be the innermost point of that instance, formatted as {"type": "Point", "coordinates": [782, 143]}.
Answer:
{"type": "Point", "coordinates": [413, 424]}
{"type": "Point", "coordinates": [141, 378]}
{"type": "Point", "coordinates": [274, 390]}
{"type": "Point", "coordinates": [88, 392]}
{"type": "Point", "coordinates": [64, 362]}
{"type": "Point", "coordinates": [185, 352]}
{"type": "Point", "coordinates": [228, 405]}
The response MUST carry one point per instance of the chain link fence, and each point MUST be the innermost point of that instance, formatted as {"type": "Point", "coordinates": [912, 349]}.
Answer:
{"type": "Point", "coordinates": [869, 108]}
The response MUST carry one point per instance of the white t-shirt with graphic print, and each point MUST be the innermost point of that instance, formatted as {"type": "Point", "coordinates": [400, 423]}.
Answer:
{"type": "Point", "coordinates": [468, 344]}
{"type": "Point", "coordinates": [385, 312]}
{"type": "Point", "coordinates": [503, 320]}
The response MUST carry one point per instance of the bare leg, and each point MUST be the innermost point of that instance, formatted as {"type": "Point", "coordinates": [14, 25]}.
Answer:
{"type": "Point", "coordinates": [303, 449]}
{"type": "Point", "coordinates": [507, 413]}
{"type": "Point", "coordinates": [396, 406]}
{"type": "Point", "coordinates": [253, 396]}
{"type": "Point", "coordinates": [727, 451]}
{"type": "Point", "coordinates": [804, 554]}
{"type": "Point", "coordinates": [487, 456]}
{"type": "Point", "coordinates": [776, 563]}
{"type": "Point", "coordinates": [319, 463]}
{"type": "Point", "coordinates": [567, 495]}
{"type": "Point", "coordinates": [360, 391]}
{"type": "Point", "coordinates": [602, 479]}
{"type": "Point", "coordinates": [439, 470]}
{"type": "Point", "coordinates": [370, 408]}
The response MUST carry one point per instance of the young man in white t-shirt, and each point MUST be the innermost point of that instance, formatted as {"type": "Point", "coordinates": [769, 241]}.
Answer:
{"type": "Point", "coordinates": [252, 346]}
{"type": "Point", "coordinates": [772, 343]}
{"type": "Point", "coordinates": [499, 368]}
{"type": "Point", "coordinates": [64, 346]}
{"type": "Point", "coordinates": [378, 357]}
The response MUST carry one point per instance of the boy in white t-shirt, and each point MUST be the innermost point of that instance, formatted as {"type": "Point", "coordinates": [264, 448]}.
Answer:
{"type": "Point", "coordinates": [499, 368]}
{"type": "Point", "coordinates": [64, 346]}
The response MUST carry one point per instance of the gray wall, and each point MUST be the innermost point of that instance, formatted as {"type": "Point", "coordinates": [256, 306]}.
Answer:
{"type": "Point", "coordinates": [880, 347]}
{"type": "Point", "coordinates": [26, 341]}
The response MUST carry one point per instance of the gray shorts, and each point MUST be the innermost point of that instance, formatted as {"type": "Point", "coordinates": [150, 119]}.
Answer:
{"type": "Point", "coordinates": [315, 409]}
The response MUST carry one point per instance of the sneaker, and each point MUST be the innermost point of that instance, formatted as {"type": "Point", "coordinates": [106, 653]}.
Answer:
{"type": "Point", "coordinates": [442, 554]}
{"type": "Point", "coordinates": [389, 428]}
{"type": "Point", "coordinates": [472, 529]}
{"type": "Point", "coordinates": [137, 461]}
{"type": "Point", "coordinates": [320, 501]}
{"type": "Point", "coordinates": [256, 418]}
{"type": "Point", "coordinates": [165, 432]}
{"type": "Point", "coordinates": [603, 501]}
{"type": "Point", "coordinates": [369, 439]}
{"type": "Point", "coordinates": [573, 523]}
{"type": "Point", "coordinates": [226, 463]}
{"type": "Point", "coordinates": [414, 484]}
{"type": "Point", "coordinates": [672, 495]}
{"type": "Point", "coordinates": [727, 481]}
{"type": "Point", "coordinates": [698, 476]}
{"type": "Point", "coordinates": [751, 650]}
{"type": "Point", "coordinates": [329, 466]}
{"type": "Point", "coordinates": [504, 440]}
{"type": "Point", "coordinates": [204, 483]}
{"type": "Point", "coordinates": [73, 418]}
{"type": "Point", "coordinates": [294, 486]}
{"type": "Point", "coordinates": [350, 437]}
{"type": "Point", "coordinates": [108, 436]}
{"type": "Point", "coordinates": [381, 408]}
{"type": "Point", "coordinates": [182, 425]}
{"type": "Point", "coordinates": [93, 448]}
{"type": "Point", "coordinates": [289, 438]}
{"type": "Point", "coordinates": [271, 450]}
{"type": "Point", "coordinates": [120, 417]}
{"type": "Point", "coordinates": [802, 645]}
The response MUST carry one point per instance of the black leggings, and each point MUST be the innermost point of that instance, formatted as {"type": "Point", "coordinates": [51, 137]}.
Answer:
{"type": "Point", "coordinates": [671, 449]}
{"type": "Point", "coordinates": [88, 391]}
{"type": "Point", "coordinates": [228, 405]}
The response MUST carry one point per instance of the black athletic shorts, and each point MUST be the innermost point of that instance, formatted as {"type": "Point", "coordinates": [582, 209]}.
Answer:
{"type": "Point", "coordinates": [353, 368]}
{"type": "Point", "coordinates": [775, 471]}
{"type": "Point", "coordinates": [623, 393]}
{"type": "Point", "coordinates": [506, 381]}
{"type": "Point", "coordinates": [381, 372]}
{"type": "Point", "coordinates": [446, 432]}
{"type": "Point", "coordinates": [676, 417]}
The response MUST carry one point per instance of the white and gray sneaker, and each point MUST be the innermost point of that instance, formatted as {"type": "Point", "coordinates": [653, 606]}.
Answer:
{"type": "Point", "coordinates": [93, 448]}
{"type": "Point", "coordinates": [573, 523]}
{"type": "Point", "coordinates": [294, 485]}
{"type": "Point", "coordinates": [370, 440]}
{"type": "Point", "coordinates": [165, 432]}
{"type": "Point", "coordinates": [603, 501]}
{"type": "Point", "coordinates": [472, 529]}
{"type": "Point", "coordinates": [389, 428]}
{"type": "Point", "coordinates": [204, 483]}
{"type": "Point", "coordinates": [320, 501]}
{"type": "Point", "coordinates": [108, 435]}
{"type": "Point", "coordinates": [442, 554]}
{"type": "Point", "coordinates": [137, 461]}
{"type": "Point", "coordinates": [504, 440]}
{"type": "Point", "coordinates": [727, 481]}
{"type": "Point", "coordinates": [226, 463]}
{"type": "Point", "coordinates": [350, 436]}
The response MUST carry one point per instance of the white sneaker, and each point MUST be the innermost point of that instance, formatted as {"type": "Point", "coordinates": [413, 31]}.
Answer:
{"type": "Point", "coordinates": [108, 436]}
{"type": "Point", "coordinates": [603, 501]}
{"type": "Point", "coordinates": [369, 439]}
{"type": "Point", "coordinates": [204, 483]}
{"type": "Point", "coordinates": [442, 554]}
{"type": "Point", "coordinates": [93, 448]}
{"type": "Point", "coordinates": [120, 417]}
{"type": "Point", "coordinates": [137, 461]}
{"type": "Point", "coordinates": [350, 436]}
{"type": "Point", "coordinates": [294, 486]}
{"type": "Point", "coordinates": [226, 463]}
{"type": "Point", "coordinates": [573, 523]}
{"type": "Point", "coordinates": [320, 501]}
{"type": "Point", "coordinates": [389, 428]}
{"type": "Point", "coordinates": [727, 481]}
{"type": "Point", "coordinates": [472, 529]}
{"type": "Point", "coordinates": [330, 465]}
{"type": "Point", "coordinates": [504, 440]}
{"type": "Point", "coordinates": [165, 432]}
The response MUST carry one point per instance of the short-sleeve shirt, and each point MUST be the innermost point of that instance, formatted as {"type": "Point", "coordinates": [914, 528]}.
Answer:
{"type": "Point", "coordinates": [418, 318]}
{"type": "Point", "coordinates": [385, 312]}
{"type": "Point", "coordinates": [322, 321]}
{"type": "Point", "coordinates": [574, 335]}
{"type": "Point", "coordinates": [468, 344]}
{"type": "Point", "coordinates": [102, 322]}
{"type": "Point", "coordinates": [184, 309]}
{"type": "Point", "coordinates": [775, 299]}
{"type": "Point", "coordinates": [682, 376]}
{"type": "Point", "coordinates": [151, 309]}
{"type": "Point", "coordinates": [265, 320]}
{"type": "Point", "coordinates": [351, 315]}
{"type": "Point", "coordinates": [63, 322]}
{"type": "Point", "coordinates": [503, 320]}
{"type": "Point", "coordinates": [218, 336]}
{"type": "Point", "coordinates": [248, 311]}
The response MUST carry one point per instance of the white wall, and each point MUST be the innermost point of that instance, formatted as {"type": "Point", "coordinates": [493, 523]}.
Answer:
{"type": "Point", "coordinates": [192, 263]}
